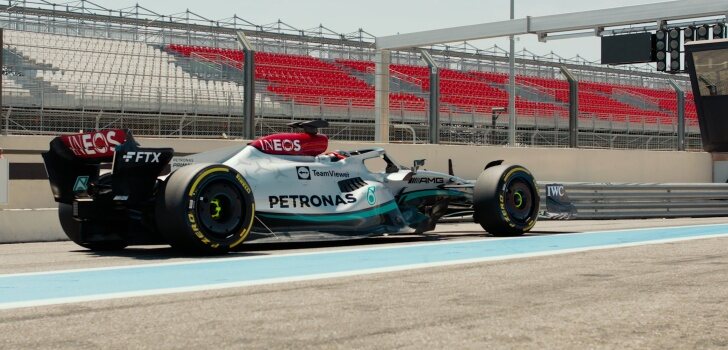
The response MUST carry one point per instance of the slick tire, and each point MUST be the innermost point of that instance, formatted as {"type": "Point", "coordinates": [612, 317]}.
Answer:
{"type": "Point", "coordinates": [205, 209]}
{"type": "Point", "coordinates": [72, 228]}
{"type": "Point", "coordinates": [506, 200]}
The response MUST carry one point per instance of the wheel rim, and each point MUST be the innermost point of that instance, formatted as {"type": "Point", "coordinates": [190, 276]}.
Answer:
{"type": "Point", "coordinates": [519, 200]}
{"type": "Point", "coordinates": [219, 209]}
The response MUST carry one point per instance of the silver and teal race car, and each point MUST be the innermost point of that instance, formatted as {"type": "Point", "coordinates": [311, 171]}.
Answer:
{"type": "Point", "coordinates": [281, 187]}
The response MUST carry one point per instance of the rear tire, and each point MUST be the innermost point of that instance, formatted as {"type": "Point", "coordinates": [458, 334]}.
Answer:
{"type": "Point", "coordinates": [506, 200]}
{"type": "Point", "coordinates": [205, 209]}
{"type": "Point", "coordinates": [72, 228]}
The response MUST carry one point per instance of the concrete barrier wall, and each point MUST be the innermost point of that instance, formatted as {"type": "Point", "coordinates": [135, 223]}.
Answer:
{"type": "Point", "coordinates": [30, 225]}
{"type": "Point", "coordinates": [547, 164]}
{"type": "Point", "coordinates": [559, 164]}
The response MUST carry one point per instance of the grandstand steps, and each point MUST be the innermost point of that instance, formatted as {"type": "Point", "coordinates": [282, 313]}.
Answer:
{"type": "Point", "coordinates": [635, 99]}
{"type": "Point", "coordinates": [20, 62]}
{"type": "Point", "coordinates": [400, 85]}
{"type": "Point", "coordinates": [368, 77]}
{"type": "Point", "coordinates": [395, 83]}
{"type": "Point", "coordinates": [205, 70]}
{"type": "Point", "coordinates": [25, 73]}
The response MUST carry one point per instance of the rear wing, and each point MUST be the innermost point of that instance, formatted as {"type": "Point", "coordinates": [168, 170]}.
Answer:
{"type": "Point", "coordinates": [73, 164]}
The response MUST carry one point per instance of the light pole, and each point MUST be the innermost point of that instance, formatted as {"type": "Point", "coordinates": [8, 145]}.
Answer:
{"type": "Point", "coordinates": [512, 87]}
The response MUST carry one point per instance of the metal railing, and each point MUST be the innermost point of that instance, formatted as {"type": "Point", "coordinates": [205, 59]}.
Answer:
{"type": "Point", "coordinates": [48, 92]}
{"type": "Point", "coordinates": [644, 200]}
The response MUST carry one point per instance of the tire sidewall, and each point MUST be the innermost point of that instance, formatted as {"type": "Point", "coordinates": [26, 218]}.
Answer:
{"type": "Point", "coordinates": [490, 200]}
{"type": "Point", "coordinates": [177, 208]}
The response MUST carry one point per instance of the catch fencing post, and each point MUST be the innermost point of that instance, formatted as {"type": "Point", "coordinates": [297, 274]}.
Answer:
{"type": "Point", "coordinates": [434, 97]}
{"type": "Point", "coordinates": [680, 115]}
{"type": "Point", "coordinates": [573, 107]}
{"type": "Point", "coordinates": [249, 86]}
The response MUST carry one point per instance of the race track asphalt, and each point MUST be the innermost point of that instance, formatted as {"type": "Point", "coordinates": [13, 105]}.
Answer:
{"type": "Point", "coordinates": [659, 296]}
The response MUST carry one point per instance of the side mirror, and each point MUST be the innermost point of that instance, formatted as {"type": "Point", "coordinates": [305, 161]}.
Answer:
{"type": "Point", "coordinates": [417, 164]}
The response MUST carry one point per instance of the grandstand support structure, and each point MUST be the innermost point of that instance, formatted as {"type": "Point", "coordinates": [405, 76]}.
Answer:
{"type": "Point", "coordinates": [680, 114]}
{"type": "Point", "coordinates": [249, 86]}
{"type": "Point", "coordinates": [2, 59]}
{"type": "Point", "coordinates": [595, 21]}
{"type": "Point", "coordinates": [573, 107]}
{"type": "Point", "coordinates": [434, 135]}
{"type": "Point", "coordinates": [381, 96]}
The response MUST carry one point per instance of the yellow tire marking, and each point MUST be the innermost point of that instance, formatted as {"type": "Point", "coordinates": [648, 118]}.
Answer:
{"type": "Point", "coordinates": [514, 170]}
{"type": "Point", "coordinates": [504, 213]}
{"type": "Point", "coordinates": [244, 233]}
{"type": "Point", "coordinates": [202, 176]}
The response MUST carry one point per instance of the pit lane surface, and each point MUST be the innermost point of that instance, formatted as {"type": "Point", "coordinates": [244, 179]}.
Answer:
{"type": "Point", "coordinates": [661, 295]}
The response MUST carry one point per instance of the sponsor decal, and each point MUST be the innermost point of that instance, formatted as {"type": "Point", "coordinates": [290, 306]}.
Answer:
{"type": "Point", "coordinates": [94, 144]}
{"type": "Point", "coordinates": [371, 195]}
{"type": "Point", "coordinates": [558, 204]}
{"type": "Point", "coordinates": [555, 190]}
{"type": "Point", "coordinates": [427, 180]}
{"type": "Point", "coordinates": [330, 173]}
{"type": "Point", "coordinates": [81, 184]}
{"type": "Point", "coordinates": [293, 144]}
{"type": "Point", "coordinates": [314, 201]}
{"type": "Point", "coordinates": [142, 157]}
{"type": "Point", "coordinates": [304, 173]}
{"type": "Point", "coordinates": [178, 162]}
{"type": "Point", "coordinates": [281, 145]}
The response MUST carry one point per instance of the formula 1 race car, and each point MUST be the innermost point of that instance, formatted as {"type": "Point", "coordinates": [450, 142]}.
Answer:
{"type": "Point", "coordinates": [282, 187]}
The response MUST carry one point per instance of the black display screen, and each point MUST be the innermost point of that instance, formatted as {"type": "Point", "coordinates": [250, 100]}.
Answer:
{"type": "Point", "coordinates": [629, 48]}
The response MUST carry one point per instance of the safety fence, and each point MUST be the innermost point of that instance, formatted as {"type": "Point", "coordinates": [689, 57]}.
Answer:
{"type": "Point", "coordinates": [637, 200]}
{"type": "Point", "coordinates": [531, 131]}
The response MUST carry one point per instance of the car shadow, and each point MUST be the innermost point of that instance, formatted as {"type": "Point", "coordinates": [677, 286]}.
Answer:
{"type": "Point", "coordinates": [164, 253]}
{"type": "Point", "coordinates": [160, 253]}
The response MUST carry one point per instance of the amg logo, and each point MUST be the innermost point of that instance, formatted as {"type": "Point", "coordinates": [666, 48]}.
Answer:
{"type": "Point", "coordinates": [427, 180]}
{"type": "Point", "coordinates": [301, 201]}
{"type": "Point", "coordinates": [143, 157]}
{"type": "Point", "coordinates": [284, 145]}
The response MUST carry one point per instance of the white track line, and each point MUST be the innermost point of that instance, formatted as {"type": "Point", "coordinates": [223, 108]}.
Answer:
{"type": "Point", "coordinates": [45, 302]}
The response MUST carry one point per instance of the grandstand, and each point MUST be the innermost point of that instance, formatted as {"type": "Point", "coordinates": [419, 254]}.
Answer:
{"type": "Point", "coordinates": [82, 68]}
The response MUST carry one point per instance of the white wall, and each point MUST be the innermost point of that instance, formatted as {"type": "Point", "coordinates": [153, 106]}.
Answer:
{"type": "Point", "coordinates": [547, 164]}
{"type": "Point", "coordinates": [4, 181]}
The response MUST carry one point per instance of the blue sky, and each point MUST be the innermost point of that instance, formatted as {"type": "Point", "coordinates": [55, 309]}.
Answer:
{"type": "Point", "coordinates": [382, 17]}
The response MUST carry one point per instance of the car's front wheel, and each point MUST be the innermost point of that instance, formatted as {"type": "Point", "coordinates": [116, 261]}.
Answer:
{"type": "Point", "coordinates": [506, 200]}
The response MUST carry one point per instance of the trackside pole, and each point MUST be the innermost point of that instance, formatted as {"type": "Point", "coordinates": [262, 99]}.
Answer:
{"type": "Point", "coordinates": [249, 86]}
{"type": "Point", "coordinates": [434, 130]}
{"type": "Point", "coordinates": [573, 107]}
{"type": "Point", "coordinates": [381, 96]}
{"type": "Point", "coordinates": [512, 86]}
{"type": "Point", "coordinates": [680, 115]}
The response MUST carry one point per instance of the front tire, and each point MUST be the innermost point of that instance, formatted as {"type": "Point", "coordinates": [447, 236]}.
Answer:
{"type": "Point", "coordinates": [205, 209]}
{"type": "Point", "coordinates": [506, 200]}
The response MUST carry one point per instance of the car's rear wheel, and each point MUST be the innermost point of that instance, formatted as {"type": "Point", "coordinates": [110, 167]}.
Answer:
{"type": "Point", "coordinates": [205, 209]}
{"type": "Point", "coordinates": [506, 200]}
{"type": "Point", "coordinates": [72, 229]}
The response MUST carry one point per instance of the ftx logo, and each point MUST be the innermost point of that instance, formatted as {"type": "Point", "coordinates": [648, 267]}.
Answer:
{"type": "Point", "coordinates": [142, 157]}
